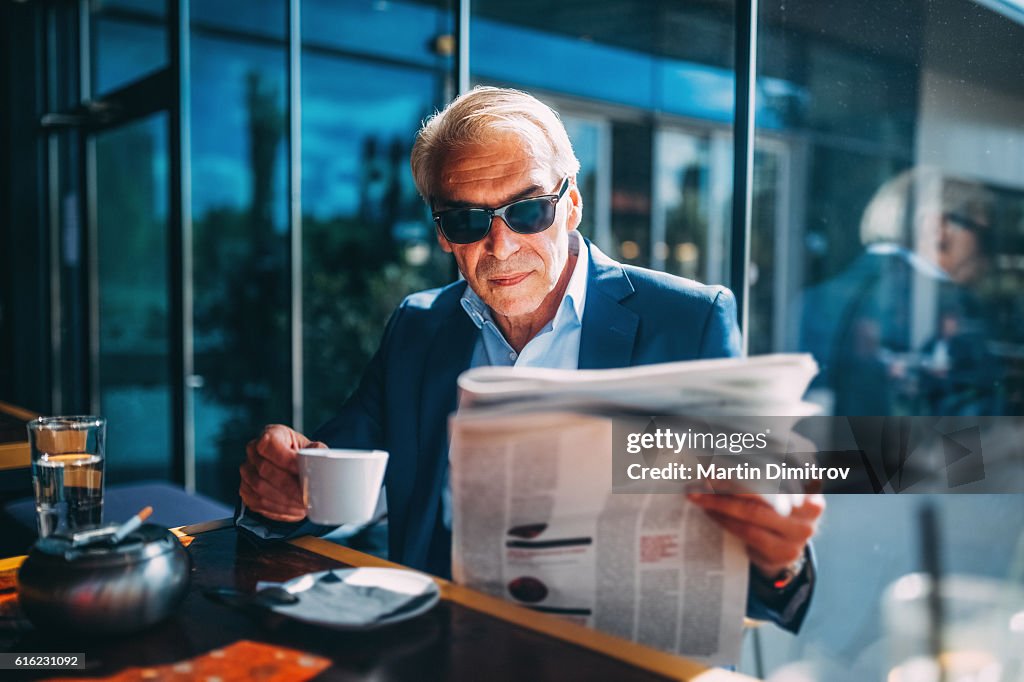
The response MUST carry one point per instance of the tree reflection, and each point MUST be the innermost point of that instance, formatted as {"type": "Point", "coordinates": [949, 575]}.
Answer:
{"type": "Point", "coordinates": [242, 324]}
{"type": "Point", "coordinates": [357, 268]}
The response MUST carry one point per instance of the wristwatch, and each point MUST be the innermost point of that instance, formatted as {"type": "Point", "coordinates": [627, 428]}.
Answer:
{"type": "Point", "coordinates": [789, 573]}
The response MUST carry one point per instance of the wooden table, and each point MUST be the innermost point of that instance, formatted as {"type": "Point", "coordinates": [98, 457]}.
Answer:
{"type": "Point", "coordinates": [468, 636]}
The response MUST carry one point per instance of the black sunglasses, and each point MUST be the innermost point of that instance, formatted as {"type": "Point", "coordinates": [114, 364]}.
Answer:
{"type": "Point", "coordinates": [526, 216]}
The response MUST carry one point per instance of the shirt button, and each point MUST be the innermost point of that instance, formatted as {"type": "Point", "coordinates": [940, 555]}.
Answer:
{"type": "Point", "coordinates": [512, 356]}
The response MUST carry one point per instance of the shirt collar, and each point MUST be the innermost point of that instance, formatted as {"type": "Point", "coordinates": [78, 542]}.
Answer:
{"type": "Point", "coordinates": [573, 301]}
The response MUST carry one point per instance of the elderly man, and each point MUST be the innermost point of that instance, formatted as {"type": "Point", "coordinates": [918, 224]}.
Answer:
{"type": "Point", "coordinates": [499, 174]}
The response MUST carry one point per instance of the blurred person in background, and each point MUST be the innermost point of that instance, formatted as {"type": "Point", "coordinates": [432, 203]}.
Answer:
{"type": "Point", "coordinates": [902, 330]}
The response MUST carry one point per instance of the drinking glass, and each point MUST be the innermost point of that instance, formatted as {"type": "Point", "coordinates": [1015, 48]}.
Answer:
{"type": "Point", "coordinates": [67, 472]}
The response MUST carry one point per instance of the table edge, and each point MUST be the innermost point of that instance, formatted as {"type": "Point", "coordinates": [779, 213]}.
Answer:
{"type": "Point", "coordinates": [638, 655]}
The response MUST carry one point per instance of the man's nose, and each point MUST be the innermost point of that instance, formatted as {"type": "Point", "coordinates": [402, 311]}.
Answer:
{"type": "Point", "coordinates": [502, 242]}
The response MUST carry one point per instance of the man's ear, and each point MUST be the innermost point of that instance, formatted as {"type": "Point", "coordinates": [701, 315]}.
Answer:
{"type": "Point", "coordinates": [445, 245]}
{"type": "Point", "coordinates": [575, 205]}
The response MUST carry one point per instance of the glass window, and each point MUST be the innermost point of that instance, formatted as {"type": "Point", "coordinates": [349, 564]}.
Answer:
{"type": "Point", "coordinates": [134, 346]}
{"type": "Point", "coordinates": [410, 32]}
{"type": "Point", "coordinates": [887, 241]}
{"type": "Point", "coordinates": [900, 274]}
{"type": "Point", "coordinates": [669, 56]}
{"type": "Point", "coordinates": [368, 239]}
{"type": "Point", "coordinates": [72, 395]}
{"type": "Point", "coordinates": [646, 91]}
{"type": "Point", "coordinates": [265, 18]}
{"type": "Point", "coordinates": [128, 40]}
{"type": "Point", "coordinates": [591, 141]}
{"type": "Point", "coordinates": [769, 271]}
{"type": "Point", "coordinates": [241, 246]}
{"type": "Point", "coordinates": [682, 195]}
{"type": "Point", "coordinates": [632, 161]}
{"type": "Point", "coordinates": [371, 72]}
{"type": "Point", "coordinates": [62, 73]}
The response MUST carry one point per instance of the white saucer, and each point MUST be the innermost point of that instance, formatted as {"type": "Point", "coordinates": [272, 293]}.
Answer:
{"type": "Point", "coordinates": [399, 580]}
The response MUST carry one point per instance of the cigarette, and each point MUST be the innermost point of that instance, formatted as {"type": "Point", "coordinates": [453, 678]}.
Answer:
{"type": "Point", "coordinates": [131, 524]}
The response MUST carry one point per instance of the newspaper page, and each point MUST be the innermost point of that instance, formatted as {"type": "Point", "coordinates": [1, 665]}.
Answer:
{"type": "Point", "coordinates": [534, 521]}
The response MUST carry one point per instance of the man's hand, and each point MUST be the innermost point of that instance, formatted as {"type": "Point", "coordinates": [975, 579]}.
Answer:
{"type": "Point", "coordinates": [773, 541]}
{"type": "Point", "coordinates": [270, 473]}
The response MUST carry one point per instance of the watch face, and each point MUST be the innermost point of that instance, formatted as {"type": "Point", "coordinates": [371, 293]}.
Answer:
{"type": "Point", "coordinates": [783, 579]}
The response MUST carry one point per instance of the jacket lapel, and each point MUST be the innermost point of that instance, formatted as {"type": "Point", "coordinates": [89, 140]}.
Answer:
{"type": "Point", "coordinates": [609, 328]}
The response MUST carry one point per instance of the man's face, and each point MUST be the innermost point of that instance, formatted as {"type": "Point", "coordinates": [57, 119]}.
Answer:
{"type": "Point", "coordinates": [511, 272]}
{"type": "Point", "coordinates": [959, 253]}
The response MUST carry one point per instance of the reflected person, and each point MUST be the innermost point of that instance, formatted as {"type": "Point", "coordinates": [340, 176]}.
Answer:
{"type": "Point", "coordinates": [498, 171]}
{"type": "Point", "coordinates": [927, 242]}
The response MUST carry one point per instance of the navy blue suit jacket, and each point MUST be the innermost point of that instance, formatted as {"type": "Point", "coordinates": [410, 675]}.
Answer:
{"type": "Point", "coordinates": [632, 317]}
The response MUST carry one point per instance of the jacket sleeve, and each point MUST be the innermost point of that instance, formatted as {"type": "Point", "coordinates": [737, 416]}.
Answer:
{"type": "Point", "coordinates": [720, 337]}
{"type": "Point", "coordinates": [787, 607]}
{"type": "Point", "coordinates": [359, 424]}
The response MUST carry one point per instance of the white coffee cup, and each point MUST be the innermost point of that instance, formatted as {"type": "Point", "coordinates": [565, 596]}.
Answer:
{"type": "Point", "coordinates": [341, 486]}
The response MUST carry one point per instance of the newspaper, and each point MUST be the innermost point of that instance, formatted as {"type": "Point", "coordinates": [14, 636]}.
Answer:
{"type": "Point", "coordinates": [736, 385]}
{"type": "Point", "coordinates": [534, 519]}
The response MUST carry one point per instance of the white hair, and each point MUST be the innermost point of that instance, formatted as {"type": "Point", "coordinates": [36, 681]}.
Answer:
{"type": "Point", "coordinates": [478, 116]}
{"type": "Point", "coordinates": [898, 210]}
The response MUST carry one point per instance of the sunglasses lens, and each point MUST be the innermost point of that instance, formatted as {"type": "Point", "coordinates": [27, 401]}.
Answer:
{"type": "Point", "coordinates": [530, 216]}
{"type": "Point", "coordinates": [464, 226]}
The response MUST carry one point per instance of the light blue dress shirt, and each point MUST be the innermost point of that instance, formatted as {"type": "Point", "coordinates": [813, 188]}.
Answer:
{"type": "Point", "coordinates": [556, 346]}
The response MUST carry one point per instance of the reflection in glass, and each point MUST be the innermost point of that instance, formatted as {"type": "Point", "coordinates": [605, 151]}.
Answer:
{"type": "Point", "coordinates": [129, 41]}
{"type": "Point", "coordinates": [631, 193]}
{"type": "Point", "coordinates": [672, 57]}
{"type": "Point", "coordinates": [683, 213]}
{"type": "Point", "coordinates": [642, 73]}
{"type": "Point", "coordinates": [403, 31]}
{"type": "Point", "coordinates": [73, 394]}
{"type": "Point", "coordinates": [888, 209]}
{"type": "Point", "coordinates": [906, 327]}
{"type": "Point", "coordinates": [134, 370]}
{"type": "Point", "coordinates": [902, 276]}
{"type": "Point", "coordinates": [265, 18]}
{"type": "Point", "coordinates": [240, 251]}
{"type": "Point", "coordinates": [591, 141]}
{"type": "Point", "coordinates": [367, 236]}
{"type": "Point", "coordinates": [768, 271]}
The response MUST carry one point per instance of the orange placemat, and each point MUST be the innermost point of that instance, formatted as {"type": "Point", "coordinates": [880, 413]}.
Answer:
{"type": "Point", "coordinates": [9, 610]}
{"type": "Point", "coordinates": [9, 574]}
{"type": "Point", "coordinates": [242, 661]}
